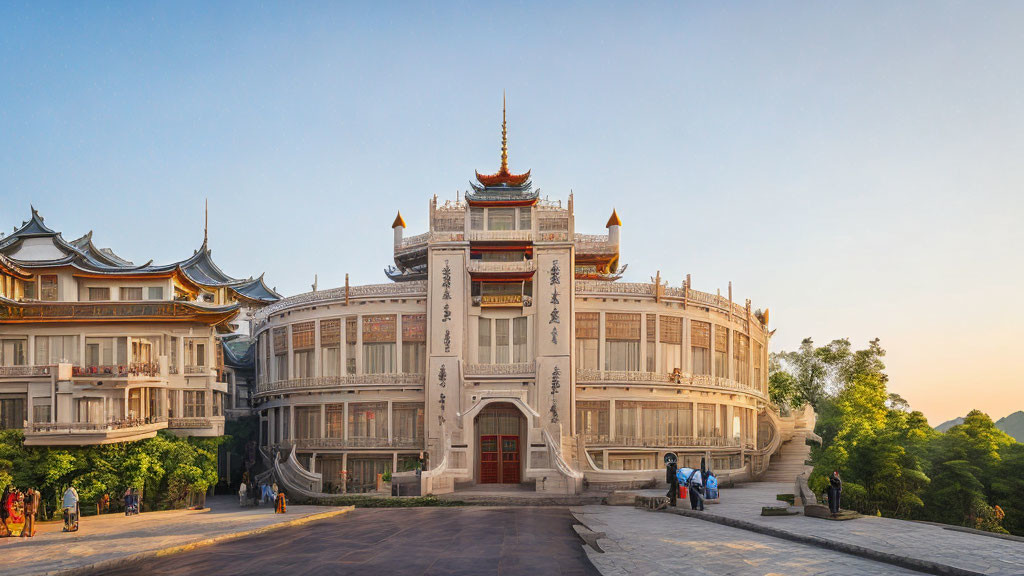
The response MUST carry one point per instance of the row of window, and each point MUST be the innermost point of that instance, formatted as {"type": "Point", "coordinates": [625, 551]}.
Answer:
{"type": "Point", "coordinates": [47, 284]}
{"type": "Point", "coordinates": [658, 420]}
{"type": "Point", "coordinates": [500, 218]}
{"type": "Point", "coordinates": [623, 338]}
{"type": "Point", "coordinates": [379, 350]}
{"type": "Point", "coordinates": [365, 420]}
{"type": "Point", "coordinates": [99, 351]}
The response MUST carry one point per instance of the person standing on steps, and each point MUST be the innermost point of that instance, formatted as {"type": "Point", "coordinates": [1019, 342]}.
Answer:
{"type": "Point", "coordinates": [835, 492]}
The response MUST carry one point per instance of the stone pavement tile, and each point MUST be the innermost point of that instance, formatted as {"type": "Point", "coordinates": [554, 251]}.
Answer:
{"type": "Point", "coordinates": [670, 544]}
{"type": "Point", "coordinates": [984, 554]}
{"type": "Point", "coordinates": [111, 536]}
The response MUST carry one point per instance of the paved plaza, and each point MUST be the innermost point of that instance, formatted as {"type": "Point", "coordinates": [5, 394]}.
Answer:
{"type": "Point", "coordinates": [638, 542]}
{"type": "Point", "coordinates": [528, 541]}
{"type": "Point", "coordinates": [114, 536]}
{"type": "Point", "coordinates": [915, 540]}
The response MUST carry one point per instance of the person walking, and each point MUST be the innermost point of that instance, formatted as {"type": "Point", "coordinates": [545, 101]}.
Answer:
{"type": "Point", "coordinates": [31, 504]}
{"type": "Point", "coordinates": [70, 504]}
{"type": "Point", "coordinates": [241, 495]}
{"type": "Point", "coordinates": [835, 492]}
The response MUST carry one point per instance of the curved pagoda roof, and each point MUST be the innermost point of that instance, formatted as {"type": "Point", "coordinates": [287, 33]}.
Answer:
{"type": "Point", "coordinates": [82, 254]}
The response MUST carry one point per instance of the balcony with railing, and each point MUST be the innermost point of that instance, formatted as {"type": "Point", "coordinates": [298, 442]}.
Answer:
{"type": "Point", "coordinates": [333, 443]}
{"type": "Point", "coordinates": [513, 369]}
{"type": "Point", "coordinates": [604, 440]}
{"type": "Point", "coordinates": [190, 423]}
{"type": "Point", "coordinates": [328, 382]}
{"type": "Point", "coordinates": [27, 371]}
{"type": "Point", "coordinates": [89, 433]}
{"type": "Point", "coordinates": [500, 236]}
{"type": "Point", "coordinates": [131, 371]}
{"type": "Point", "coordinates": [588, 376]}
{"type": "Point", "coordinates": [193, 370]}
{"type": "Point", "coordinates": [486, 267]}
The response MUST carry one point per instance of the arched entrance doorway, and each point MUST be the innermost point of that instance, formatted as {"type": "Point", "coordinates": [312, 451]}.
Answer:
{"type": "Point", "coordinates": [500, 431]}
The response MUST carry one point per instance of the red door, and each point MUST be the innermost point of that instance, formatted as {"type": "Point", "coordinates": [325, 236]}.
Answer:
{"type": "Point", "coordinates": [510, 459]}
{"type": "Point", "coordinates": [499, 459]}
{"type": "Point", "coordinates": [489, 460]}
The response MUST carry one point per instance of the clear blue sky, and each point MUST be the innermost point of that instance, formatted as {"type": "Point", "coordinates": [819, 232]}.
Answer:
{"type": "Point", "coordinates": [855, 167]}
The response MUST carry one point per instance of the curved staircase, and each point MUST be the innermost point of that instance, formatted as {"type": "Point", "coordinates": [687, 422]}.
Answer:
{"type": "Point", "coordinates": [790, 461]}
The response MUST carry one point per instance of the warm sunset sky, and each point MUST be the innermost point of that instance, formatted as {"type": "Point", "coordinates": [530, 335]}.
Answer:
{"type": "Point", "coordinates": [857, 168]}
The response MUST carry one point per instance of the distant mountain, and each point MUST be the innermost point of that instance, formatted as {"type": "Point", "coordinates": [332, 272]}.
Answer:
{"type": "Point", "coordinates": [1012, 425]}
{"type": "Point", "coordinates": [945, 426]}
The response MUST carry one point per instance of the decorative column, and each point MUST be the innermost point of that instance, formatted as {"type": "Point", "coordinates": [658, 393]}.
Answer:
{"type": "Point", "coordinates": [611, 422]}
{"type": "Point", "coordinates": [323, 420]}
{"type": "Point", "coordinates": [359, 350]}
{"type": "Point", "coordinates": [713, 349]}
{"type": "Point", "coordinates": [391, 423]}
{"type": "Point", "coordinates": [291, 422]}
{"type": "Point", "coordinates": [600, 343]}
{"type": "Point", "coordinates": [291, 353]}
{"type": "Point", "coordinates": [317, 362]}
{"type": "Point", "coordinates": [345, 425]}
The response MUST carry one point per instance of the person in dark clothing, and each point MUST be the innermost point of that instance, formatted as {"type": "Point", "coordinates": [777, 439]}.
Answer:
{"type": "Point", "coordinates": [4, 530]}
{"type": "Point", "coordinates": [696, 489]}
{"type": "Point", "coordinates": [835, 492]}
{"type": "Point", "coordinates": [671, 478]}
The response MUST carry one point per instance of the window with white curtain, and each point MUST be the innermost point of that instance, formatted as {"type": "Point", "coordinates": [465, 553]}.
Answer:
{"type": "Point", "coordinates": [721, 351]}
{"type": "Point", "coordinates": [501, 351]}
{"type": "Point", "coordinates": [501, 218]}
{"type": "Point", "coordinates": [379, 345]}
{"type": "Point", "coordinates": [304, 364]}
{"type": "Point", "coordinates": [519, 340]}
{"type": "Point", "coordinates": [484, 341]}
{"type": "Point", "coordinates": [671, 338]}
{"type": "Point", "coordinates": [379, 358]}
{"type": "Point", "coordinates": [414, 343]}
{"type": "Point", "coordinates": [700, 347]}
{"type": "Point", "coordinates": [625, 420]}
{"type": "Point", "coordinates": [622, 341]}
{"type": "Point", "coordinates": [587, 331]}
{"type": "Point", "coordinates": [368, 420]}
{"type": "Point", "coordinates": [56, 349]}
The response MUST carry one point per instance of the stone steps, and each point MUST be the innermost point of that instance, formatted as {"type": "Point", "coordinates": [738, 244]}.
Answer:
{"type": "Point", "coordinates": [789, 462]}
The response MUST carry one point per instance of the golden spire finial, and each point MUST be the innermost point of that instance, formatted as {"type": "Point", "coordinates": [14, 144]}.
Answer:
{"type": "Point", "coordinates": [504, 136]}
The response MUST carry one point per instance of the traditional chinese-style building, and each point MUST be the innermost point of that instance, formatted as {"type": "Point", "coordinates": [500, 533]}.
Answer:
{"type": "Point", "coordinates": [506, 351]}
{"type": "Point", "coordinates": [95, 349]}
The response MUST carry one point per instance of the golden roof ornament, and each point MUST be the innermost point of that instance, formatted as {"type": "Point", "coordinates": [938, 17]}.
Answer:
{"type": "Point", "coordinates": [503, 177]}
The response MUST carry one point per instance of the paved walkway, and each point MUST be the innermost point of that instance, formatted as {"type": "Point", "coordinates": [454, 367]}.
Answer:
{"type": "Point", "coordinates": [475, 541]}
{"type": "Point", "coordinates": [112, 536]}
{"type": "Point", "coordinates": [972, 552]}
{"type": "Point", "coordinates": [645, 543]}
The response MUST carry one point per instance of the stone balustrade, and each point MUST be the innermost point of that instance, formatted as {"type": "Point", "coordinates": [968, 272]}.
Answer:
{"type": "Point", "coordinates": [517, 368]}
{"type": "Point", "coordinates": [26, 371]}
{"type": "Point", "coordinates": [605, 440]}
{"type": "Point", "coordinates": [326, 382]}
{"type": "Point", "coordinates": [482, 267]}
{"type": "Point", "coordinates": [587, 376]}
{"type": "Point", "coordinates": [191, 423]}
{"type": "Point", "coordinates": [342, 443]}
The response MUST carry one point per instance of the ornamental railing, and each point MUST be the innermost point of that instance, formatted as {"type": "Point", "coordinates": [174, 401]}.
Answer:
{"type": "Point", "coordinates": [509, 235]}
{"type": "Point", "coordinates": [196, 423]}
{"type": "Point", "coordinates": [500, 369]}
{"type": "Point", "coordinates": [328, 443]}
{"type": "Point", "coordinates": [584, 375]}
{"type": "Point", "coordinates": [479, 266]}
{"type": "Point", "coordinates": [413, 288]}
{"type": "Point", "coordinates": [603, 440]}
{"type": "Point", "coordinates": [151, 369]}
{"type": "Point", "coordinates": [72, 427]}
{"type": "Point", "coordinates": [197, 369]}
{"type": "Point", "coordinates": [26, 371]}
{"type": "Point", "coordinates": [337, 382]}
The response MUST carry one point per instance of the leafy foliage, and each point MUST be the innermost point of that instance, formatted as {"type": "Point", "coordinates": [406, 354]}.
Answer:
{"type": "Point", "coordinates": [892, 462]}
{"type": "Point", "coordinates": [164, 469]}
